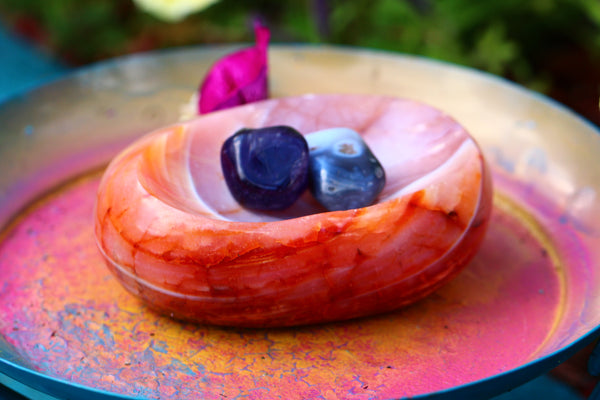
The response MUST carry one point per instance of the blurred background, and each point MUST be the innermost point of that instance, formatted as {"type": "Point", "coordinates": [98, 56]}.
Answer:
{"type": "Point", "coordinates": [551, 46]}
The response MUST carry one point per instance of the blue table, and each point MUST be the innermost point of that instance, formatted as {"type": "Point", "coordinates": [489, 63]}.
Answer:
{"type": "Point", "coordinates": [25, 67]}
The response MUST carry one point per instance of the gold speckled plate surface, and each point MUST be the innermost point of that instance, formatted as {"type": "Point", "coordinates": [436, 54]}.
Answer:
{"type": "Point", "coordinates": [67, 328]}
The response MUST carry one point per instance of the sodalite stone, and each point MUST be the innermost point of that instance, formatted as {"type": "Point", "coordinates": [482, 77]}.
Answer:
{"type": "Point", "coordinates": [343, 172]}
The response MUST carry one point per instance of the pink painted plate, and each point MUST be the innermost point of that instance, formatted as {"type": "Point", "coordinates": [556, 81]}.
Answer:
{"type": "Point", "coordinates": [530, 298]}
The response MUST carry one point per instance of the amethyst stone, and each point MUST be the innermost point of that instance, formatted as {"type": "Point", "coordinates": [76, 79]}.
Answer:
{"type": "Point", "coordinates": [267, 168]}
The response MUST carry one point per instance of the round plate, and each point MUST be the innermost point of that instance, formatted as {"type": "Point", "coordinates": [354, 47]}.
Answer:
{"type": "Point", "coordinates": [529, 299]}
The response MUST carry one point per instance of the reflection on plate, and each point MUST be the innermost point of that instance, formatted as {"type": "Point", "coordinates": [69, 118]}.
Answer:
{"type": "Point", "coordinates": [529, 297]}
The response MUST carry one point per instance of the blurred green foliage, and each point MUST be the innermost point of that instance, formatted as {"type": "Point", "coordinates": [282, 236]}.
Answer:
{"type": "Point", "coordinates": [513, 38]}
{"type": "Point", "coordinates": [505, 37]}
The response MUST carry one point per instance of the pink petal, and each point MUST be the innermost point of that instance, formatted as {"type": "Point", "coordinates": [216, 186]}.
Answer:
{"type": "Point", "coordinates": [237, 78]}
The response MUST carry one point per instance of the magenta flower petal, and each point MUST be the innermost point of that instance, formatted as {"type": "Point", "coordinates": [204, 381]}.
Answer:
{"type": "Point", "coordinates": [237, 78]}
